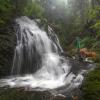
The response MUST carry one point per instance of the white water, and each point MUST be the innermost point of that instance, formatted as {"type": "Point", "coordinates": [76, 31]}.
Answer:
{"type": "Point", "coordinates": [51, 70]}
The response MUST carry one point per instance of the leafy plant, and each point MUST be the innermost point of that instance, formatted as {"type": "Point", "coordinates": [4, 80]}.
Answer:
{"type": "Point", "coordinates": [6, 11]}
{"type": "Point", "coordinates": [33, 9]}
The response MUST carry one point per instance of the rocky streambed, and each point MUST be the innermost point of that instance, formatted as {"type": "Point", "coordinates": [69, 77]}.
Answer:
{"type": "Point", "coordinates": [62, 93]}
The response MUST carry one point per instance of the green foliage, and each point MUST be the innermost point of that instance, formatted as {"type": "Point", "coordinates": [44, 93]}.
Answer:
{"type": "Point", "coordinates": [91, 87]}
{"type": "Point", "coordinates": [94, 15]}
{"type": "Point", "coordinates": [13, 8]}
{"type": "Point", "coordinates": [91, 38]}
{"type": "Point", "coordinates": [88, 42]}
{"type": "Point", "coordinates": [96, 26]}
{"type": "Point", "coordinates": [6, 9]}
{"type": "Point", "coordinates": [33, 9]}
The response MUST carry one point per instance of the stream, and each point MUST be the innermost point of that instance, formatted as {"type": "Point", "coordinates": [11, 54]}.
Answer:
{"type": "Point", "coordinates": [38, 64]}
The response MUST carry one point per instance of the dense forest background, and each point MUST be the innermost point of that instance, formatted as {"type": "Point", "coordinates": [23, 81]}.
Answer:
{"type": "Point", "coordinates": [71, 19]}
{"type": "Point", "coordinates": [76, 18]}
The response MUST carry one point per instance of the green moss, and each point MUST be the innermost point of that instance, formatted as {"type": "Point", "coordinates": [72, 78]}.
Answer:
{"type": "Point", "coordinates": [7, 44]}
{"type": "Point", "coordinates": [91, 86]}
{"type": "Point", "coordinates": [18, 94]}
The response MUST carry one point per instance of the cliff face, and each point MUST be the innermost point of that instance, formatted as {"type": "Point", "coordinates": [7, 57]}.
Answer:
{"type": "Point", "coordinates": [7, 45]}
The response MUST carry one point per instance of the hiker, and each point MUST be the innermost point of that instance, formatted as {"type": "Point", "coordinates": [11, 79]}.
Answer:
{"type": "Point", "coordinates": [78, 46]}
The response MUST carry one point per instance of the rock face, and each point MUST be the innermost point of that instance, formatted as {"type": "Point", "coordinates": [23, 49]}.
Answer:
{"type": "Point", "coordinates": [7, 44]}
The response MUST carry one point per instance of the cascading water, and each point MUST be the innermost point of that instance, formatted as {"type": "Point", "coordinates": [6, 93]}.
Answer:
{"type": "Point", "coordinates": [37, 61]}
{"type": "Point", "coordinates": [33, 48]}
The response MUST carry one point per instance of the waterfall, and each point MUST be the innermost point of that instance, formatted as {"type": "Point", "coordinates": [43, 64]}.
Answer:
{"type": "Point", "coordinates": [37, 61]}
{"type": "Point", "coordinates": [35, 49]}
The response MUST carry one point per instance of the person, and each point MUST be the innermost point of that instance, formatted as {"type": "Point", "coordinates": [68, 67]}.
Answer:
{"type": "Point", "coordinates": [78, 46]}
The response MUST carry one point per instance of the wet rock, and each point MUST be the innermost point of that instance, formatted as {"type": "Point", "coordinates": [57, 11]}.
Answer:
{"type": "Point", "coordinates": [7, 45]}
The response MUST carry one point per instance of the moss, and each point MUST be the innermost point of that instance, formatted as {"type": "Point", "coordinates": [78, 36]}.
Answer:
{"type": "Point", "coordinates": [7, 45]}
{"type": "Point", "coordinates": [18, 94]}
{"type": "Point", "coordinates": [12, 95]}
{"type": "Point", "coordinates": [91, 86]}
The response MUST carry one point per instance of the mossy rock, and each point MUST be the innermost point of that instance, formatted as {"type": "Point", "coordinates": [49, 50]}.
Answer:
{"type": "Point", "coordinates": [91, 86]}
{"type": "Point", "coordinates": [20, 94]}
{"type": "Point", "coordinates": [7, 45]}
